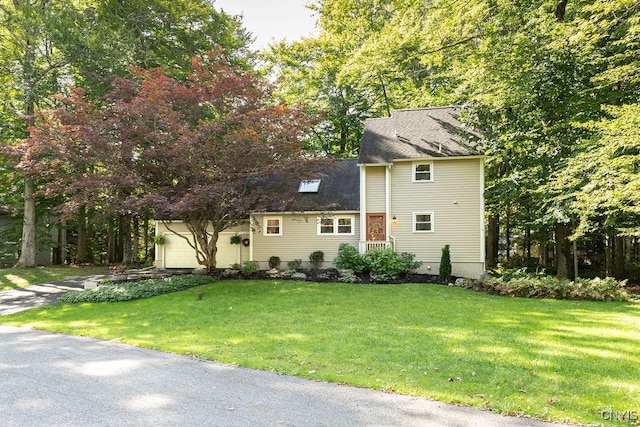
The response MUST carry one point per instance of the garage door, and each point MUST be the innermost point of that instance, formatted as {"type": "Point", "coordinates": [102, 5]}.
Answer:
{"type": "Point", "coordinates": [178, 253]}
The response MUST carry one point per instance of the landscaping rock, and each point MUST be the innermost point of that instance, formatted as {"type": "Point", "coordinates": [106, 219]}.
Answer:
{"type": "Point", "coordinates": [299, 276]}
{"type": "Point", "coordinates": [274, 272]}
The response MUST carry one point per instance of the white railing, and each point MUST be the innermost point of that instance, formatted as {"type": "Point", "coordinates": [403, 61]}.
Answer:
{"type": "Point", "coordinates": [374, 244]}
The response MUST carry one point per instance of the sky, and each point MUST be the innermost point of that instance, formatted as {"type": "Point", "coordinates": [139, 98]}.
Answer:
{"type": "Point", "coordinates": [272, 20]}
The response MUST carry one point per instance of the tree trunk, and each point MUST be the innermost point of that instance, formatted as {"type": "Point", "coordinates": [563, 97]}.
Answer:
{"type": "Point", "coordinates": [507, 232]}
{"type": "Point", "coordinates": [127, 244]}
{"type": "Point", "coordinates": [135, 249]}
{"type": "Point", "coordinates": [28, 251]}
{"type": "Point", "coordinates": [145, 227]}
{"type": "Point", "coordinates": [619, 257]}
{"type": "Point", "coordinates": [212, 251]}
{"type": "Point", "coordinates": [493, 239]}
{"type": "Point", "coordinates": [609, 254]}
{"type": "Point", "coordinates": [83, 256]}
{"type": "Point", "coordinates": [111, 242]}
{"type": "Point", "coordinates": [562, 251]}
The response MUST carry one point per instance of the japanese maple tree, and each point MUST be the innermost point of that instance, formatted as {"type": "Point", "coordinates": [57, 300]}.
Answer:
{"type": "Point", "coordinates": [207, 150]}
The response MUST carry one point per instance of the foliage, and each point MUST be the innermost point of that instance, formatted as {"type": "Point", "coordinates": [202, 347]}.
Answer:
{"type": "Point", "coordinates": [386, 265]}
{"type": "Point", "coordinates": [348, 276]}
{"type": "Point", "coordinates": [249, 268]}
{"type": "Point", "coordinates": [445, 263]}
{"type": "Point", "coordinates": [274, 262]}
{"type": "Point", "coordinates": [316, 258]}
{"type": "Point", "coordinates": [135, 290]}
{"type": "Point", "coordinates": [295, 264]}
{"type": "Point", "coordinates": [349, 258]}
{"type": "Point", "coordinates": [197, 150]}
{"type": "Point", "coordinates": [236, 239]}
{"type": "Point", "coordinates": [526, 285]}
{"type": "Point", "coordinates": [159, 239]}
{"type": "Point", "coordinates": [529, 357]}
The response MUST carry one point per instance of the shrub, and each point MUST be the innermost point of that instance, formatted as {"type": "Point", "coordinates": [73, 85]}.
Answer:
{"type": "Point", "coordinates": [294, 265]}
{"type": "Point", "coordinates": [135, 290]}
{"type": "Point", "coordinates": [349, 258]}
{"type": "Point", "coordinates": [316, 258]}
{"type": "Point", "coordinates": [519, 284]}
{"type": "Point", "coordinates": [348, 276]}
{"type": "Point", "coordinates": [274, 262]}
{"type": "Point", "coordinates": [445, 263]}
{"type": "Point", "coordinates": [250, 267]}
{"type": "Point", "coordinates": [387, 265]}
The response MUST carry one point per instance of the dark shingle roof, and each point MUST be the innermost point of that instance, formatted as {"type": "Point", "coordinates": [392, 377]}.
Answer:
{"type": "Point", "coordinates": [411, 134]}
{"type": "Point", "coordinates": [339, 188]}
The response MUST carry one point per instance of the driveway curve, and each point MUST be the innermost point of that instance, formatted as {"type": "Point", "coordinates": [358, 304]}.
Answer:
{"type": "Point", "coordinates": [62, 380]}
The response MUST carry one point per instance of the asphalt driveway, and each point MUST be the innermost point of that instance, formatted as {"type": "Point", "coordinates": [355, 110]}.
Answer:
{"type": "Point", "coordinates": [61, 380]}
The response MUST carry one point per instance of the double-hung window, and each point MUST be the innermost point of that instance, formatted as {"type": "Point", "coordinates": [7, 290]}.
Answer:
{"type": "Point", "coordinates": [272, 226]}
{"type": "Point", "coordinates": [335, 225]}
{"type": "Point", "coordinates": [423, 172]}
{"type": "Point", "coordinates": [423, 222]}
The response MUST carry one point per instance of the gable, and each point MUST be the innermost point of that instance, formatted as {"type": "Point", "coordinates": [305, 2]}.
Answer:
{"type": "Point", "coordinates": [414, 134]}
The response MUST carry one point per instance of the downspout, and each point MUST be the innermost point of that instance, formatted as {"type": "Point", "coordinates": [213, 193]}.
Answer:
{"type": "Point", "coordinates": [387, 196]}
{"type": "Point", "coordinates": [483, 244]}
{"type": "Point", "coordinates": [363, 206]}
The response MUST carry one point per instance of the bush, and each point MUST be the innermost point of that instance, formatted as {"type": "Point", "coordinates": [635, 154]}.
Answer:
{"type": "Point", "coordinates": [135, 290]}
{"type": "Point", "coordinates": [349, 258]}
{"type": "Point", "coordinates": [316, 258]}
{"type": "Point", "coordinates": [294, 265]}
{"type": "Point", "coordinates": [520, 284]}
{"type": "Point", "coordinates": [445, 263]}
{"type": "Point", "coordinates": [348, 276]}
{"type": "Point", "coordinates": [250, 268]}
{"type": "Point", "coordinates": [274, 262]}
{"type": "Point", "coordinates": [387, 265]}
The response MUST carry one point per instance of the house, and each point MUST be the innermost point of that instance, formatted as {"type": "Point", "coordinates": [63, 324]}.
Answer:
{"type": "Point", "coordinates": [417, 186]}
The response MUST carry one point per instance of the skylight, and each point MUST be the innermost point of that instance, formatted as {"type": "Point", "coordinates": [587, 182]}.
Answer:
{"type": "Point", "coordinates": [309, 186]}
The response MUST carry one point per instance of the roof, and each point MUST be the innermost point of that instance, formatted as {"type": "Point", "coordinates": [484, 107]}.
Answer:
{"type": "Point", "coordinates": [339, 188]}
{"type": "Point", "coordinates": [419, 133]}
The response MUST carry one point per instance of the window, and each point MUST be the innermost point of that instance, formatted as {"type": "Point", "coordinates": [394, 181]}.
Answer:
{"type": "Point", "coordinates": [273, 226]}
{"type": "Point", "coordinates": [335, 225]}
{"type": "Point", "coordinates": [423, 172]}
{"type": "Point", "coordinates": [310, 186]}
{"type": "Point", "coordinates": [423, 222]}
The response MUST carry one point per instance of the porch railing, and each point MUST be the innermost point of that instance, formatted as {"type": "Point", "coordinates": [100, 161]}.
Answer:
{"type": "Point", "coordinates": [374, 244]}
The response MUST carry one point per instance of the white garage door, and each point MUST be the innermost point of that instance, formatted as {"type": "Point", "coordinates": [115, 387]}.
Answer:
{"type": "Point", "coordinates": [178, 253]}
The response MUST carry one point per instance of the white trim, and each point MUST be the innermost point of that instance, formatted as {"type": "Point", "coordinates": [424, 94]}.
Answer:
{"type": "Point", "coordinates": [387, 204]}
{"type": "Point", "coordinates": [430, 213]}
{"type": "Point", "coordinates": [264, 226]}
{"type": "Point", "coordinates": [415, 165]}
{"type": "Point", "coordinates": [335, 219]}
{"type": "Point", "coordinates": [483, 249]}
{"type": "Point", "coordinates": [363, 203]}
{"type": "Point", "coordinates": [431, 159]}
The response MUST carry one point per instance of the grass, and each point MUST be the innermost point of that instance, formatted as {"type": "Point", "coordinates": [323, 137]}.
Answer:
{"type": "Point", "coordinates": [11, 278]}
{"type": "Point", "coordinates": [557, 360]}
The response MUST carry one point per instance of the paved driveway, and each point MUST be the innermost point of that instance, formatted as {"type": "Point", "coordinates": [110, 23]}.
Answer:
{"type": "Point", "coordinates": [61, 380]}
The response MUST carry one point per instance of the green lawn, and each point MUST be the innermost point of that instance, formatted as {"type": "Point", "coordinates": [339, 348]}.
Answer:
{"type": "Point", "coordinates": [11, 278]}
{"type": "Point", "coordinates": [560, 360]}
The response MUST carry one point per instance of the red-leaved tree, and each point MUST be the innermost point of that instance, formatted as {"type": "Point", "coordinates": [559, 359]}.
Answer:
{"type": "Point", "coordinates": [206, 151]}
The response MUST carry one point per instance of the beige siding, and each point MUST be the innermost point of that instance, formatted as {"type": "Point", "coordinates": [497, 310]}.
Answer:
{"type": "Point", "coordinates": [176, 252]}
{"type": "Point", "coordinates": [455, 198]}
{"type": "Point", "coordinates": [299, 238]}
{"type": "Point", "coordinates": [375, 193]}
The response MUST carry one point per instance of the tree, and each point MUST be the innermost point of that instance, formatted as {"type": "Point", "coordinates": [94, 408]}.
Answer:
{"type": "Point", "coordinates": [206, 151]}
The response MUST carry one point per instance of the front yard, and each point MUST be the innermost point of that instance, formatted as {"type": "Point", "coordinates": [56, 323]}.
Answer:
{"type": "Point", "coordinates": [11, 278]}
{"type": "Point", "coordinates": [560, 360]}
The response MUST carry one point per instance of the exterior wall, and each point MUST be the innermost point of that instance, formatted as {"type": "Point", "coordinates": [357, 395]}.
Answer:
{"type": "Point", "coordinates": [375, 193]}
{"type": "Point", "coordinates": [176, 252]}
{"type": "Point", "coordinates": [299, 239]}
{"type": "Point", "coordinates": [456, 200]}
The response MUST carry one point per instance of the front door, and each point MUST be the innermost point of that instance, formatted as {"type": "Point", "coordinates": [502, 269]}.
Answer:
{"type": "Point", "coordinates": [376, 227]}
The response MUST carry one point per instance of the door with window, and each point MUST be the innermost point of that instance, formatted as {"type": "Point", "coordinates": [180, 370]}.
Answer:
{"type": "Point", "coordinates": [376, 227]}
